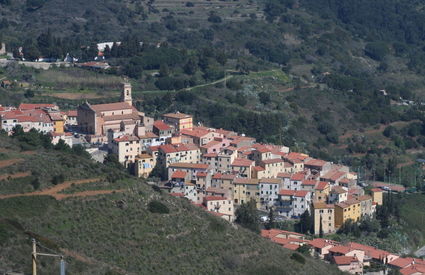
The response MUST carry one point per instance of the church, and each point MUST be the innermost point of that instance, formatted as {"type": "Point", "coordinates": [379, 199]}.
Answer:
{"type": "Point", "coordinates": [97, 120]}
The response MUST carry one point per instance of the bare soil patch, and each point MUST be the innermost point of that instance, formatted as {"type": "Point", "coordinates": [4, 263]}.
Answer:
{"type": "Point", "coordinates": [15, 176]}
{"type": "Point", "coordinates": [9, 162]}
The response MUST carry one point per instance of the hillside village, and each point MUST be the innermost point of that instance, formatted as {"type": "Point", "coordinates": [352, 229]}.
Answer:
{"type": "Point", "coordinates": [219, 170]}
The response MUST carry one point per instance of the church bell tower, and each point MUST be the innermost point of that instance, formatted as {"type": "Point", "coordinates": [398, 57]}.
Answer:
{"type": "Point", "coordinates": [126, 93]}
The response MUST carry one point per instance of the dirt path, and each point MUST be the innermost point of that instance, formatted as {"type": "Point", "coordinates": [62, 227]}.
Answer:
{"type": "Point", "coordinates": [86, 194]}
{"type": "Point", "coordinates": [51, 191]}
{"type": "Point", "coordinates": [15, 176]}
{"type": "Point", "coordinates": [9, 162]}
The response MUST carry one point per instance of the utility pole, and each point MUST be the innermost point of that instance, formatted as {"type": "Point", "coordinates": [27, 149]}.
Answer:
{"type": "Point", "coordinates": [34, 257]}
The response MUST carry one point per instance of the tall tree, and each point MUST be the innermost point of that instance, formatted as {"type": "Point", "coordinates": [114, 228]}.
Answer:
{"type": "Point", "coordinates": [271, 220]}
{"type": "Point", "coordinates": [246, 216]}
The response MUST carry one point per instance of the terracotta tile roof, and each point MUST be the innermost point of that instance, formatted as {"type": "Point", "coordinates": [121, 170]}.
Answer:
{"type": "Point", "coordinates": [201, 174]}
{"type": "Point", "coordinates": [364, 198]}
{"type": "Point", "coordinates": [402, 262]}
{"type": "Point", "coordinates": [283, 175]}
{"type": "Point", "coordinates": [341, 249]}
{"type": "Point", "coordinates": [161, 125]}
{"type": "Point", "coordinates": [262, 148]}
{"type": "Point", "coordinates": [270, 180]}
{"type": "Point", "coordinates": [301, 193]}
{"type": "Point", "coordinates": [344, 260]}
{"type": "Point", "coordinates": [370, 251]}
{"type": "Point", "coordinates": [111, 106]}
{"type": "Point", "coordinates": [194, 133]}
{"type": "Point", "coordinates": [132, 116]}
{"type": "Point", "coordinates": [228, 177]}
{"type": "Point", "coordinates": [245, 181]}
{"type": "Point", "coordinates": [321, 185]}
{"type": "Point", "coordinates": [315, 162]}
{"type": "Point", "coordinates": [210, 144]}
{"type": "Point", "coordinates": [258, 168]}
{"type": "Point", "coordinates": [309, 182]}
{"type": "Point", "coordinates": [174, 148]}
{"type": "Point", "coordinates": [242, 162]}
{"type": "Point", "coordinates": [72, 113]}
{"type": "Point", "coordinates": [413, 269]}
{"type": "Point", "coordinates": [322, 205]}
{"type": "Point", "coordinates": [298, 176]}
{"type": "Point", "coordinates": [126, 139]}
{"type": "Point", "coordinates": [178, 175]}
{"type": "Point", "coordinates": [376, 190]}
{"type": "Point", "coordinates": [286, 192]}
{"type": "Point", "coordinates": [294, 155]}
{"type": "Point", "coordinates": [216, 176]}
{"type": "Point", "coordinates": [144, 156]}
{"type": "Point", "coordinates": [333, 175]}
{"type": "Point", "coordinates": [322, 243]}
{"type": "Point", "coordinates": [347, 203]}
{"type": "Point", "coordinates": [185, 165]}
{"type": "Point", "coordinates": [344, 180]}
{"type": "Point", "coordinates": [177, 115]}
{"type": "Point", "coordinates": [338, 190]}
{"type": "Point", "coordinates": [210, 155]}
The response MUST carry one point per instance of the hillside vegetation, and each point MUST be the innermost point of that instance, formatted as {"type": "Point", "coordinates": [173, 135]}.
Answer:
{"type": "Point", "coordinates": [131, 230]}
{"type": "Point", "coordinates": [318, 76]}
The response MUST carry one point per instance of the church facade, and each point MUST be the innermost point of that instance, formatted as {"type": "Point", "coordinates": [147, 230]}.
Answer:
{"type": "Point", "coordinates": [98, 119]}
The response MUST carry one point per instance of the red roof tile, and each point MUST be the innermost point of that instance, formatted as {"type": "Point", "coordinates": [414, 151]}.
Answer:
{"type": "Point", "coordinates": [126, 139]}
{"type": "Point", "coordinates": [322, 243]}
{"type": "Point", "coordinates": [178, 175]}
{"type": "Point", "coordinates": [345, 260]}
{"type": "Point", "coordinates": [298, 176]}
{"type": "Point", "coordinates": [161, 125]}
{"type": "Point", "coordinates": [242, 162]}
{"type": "Point", "coordinates": [201, 174]}
{"type": "Point", "coordinates": [309, 182]}
{"type": "Point", "coordinates": [321, 185]}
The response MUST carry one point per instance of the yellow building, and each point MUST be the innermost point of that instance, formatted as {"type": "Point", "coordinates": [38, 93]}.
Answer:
{"type": "Point", "coordinates": [325, 214]}
{"type": "Point", "coordinates": [377, 196]}
{"type": "Point", "coordinates": [58, 122]}
{"type": "Point", "coordinates": [350, 209]}
{"type": "Point", "coordinates": [321, 192]}
{"type": "Point", "coordinates": [246, 189]}
{"type": "Point", "coordinates": [144, 165]}
{"type": "Point", "coordinates": [179, 121]}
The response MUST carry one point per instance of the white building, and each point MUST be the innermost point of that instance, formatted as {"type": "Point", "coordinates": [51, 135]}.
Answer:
{"type": "Point", "coordinates": [269, 192]}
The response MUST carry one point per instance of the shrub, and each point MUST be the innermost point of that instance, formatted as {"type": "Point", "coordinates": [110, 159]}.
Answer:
{"type": "Point", "coordinates": [189, 4]}
{"type": "Point", "coordinates": [156, 188]}
{"type": "Point", "coordinates": [298, 257]}
{"type": "Point", "coordinates": [217, 226]}
{"type": "Point", "coordinates": [158, 207]}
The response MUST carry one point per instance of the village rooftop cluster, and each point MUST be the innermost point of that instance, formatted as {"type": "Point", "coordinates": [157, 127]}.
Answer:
{"type": "Point", "coordinates": [350, 257]}
{"type": "Point", "coordinates": [216, 169]}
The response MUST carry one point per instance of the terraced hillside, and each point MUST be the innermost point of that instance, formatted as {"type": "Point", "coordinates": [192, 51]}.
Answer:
{"type": "Point", "coordinates": [105, 222]}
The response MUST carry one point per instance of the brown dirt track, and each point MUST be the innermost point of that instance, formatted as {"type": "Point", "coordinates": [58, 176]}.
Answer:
{"type": "Point", "coordinates": [54, 191]}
